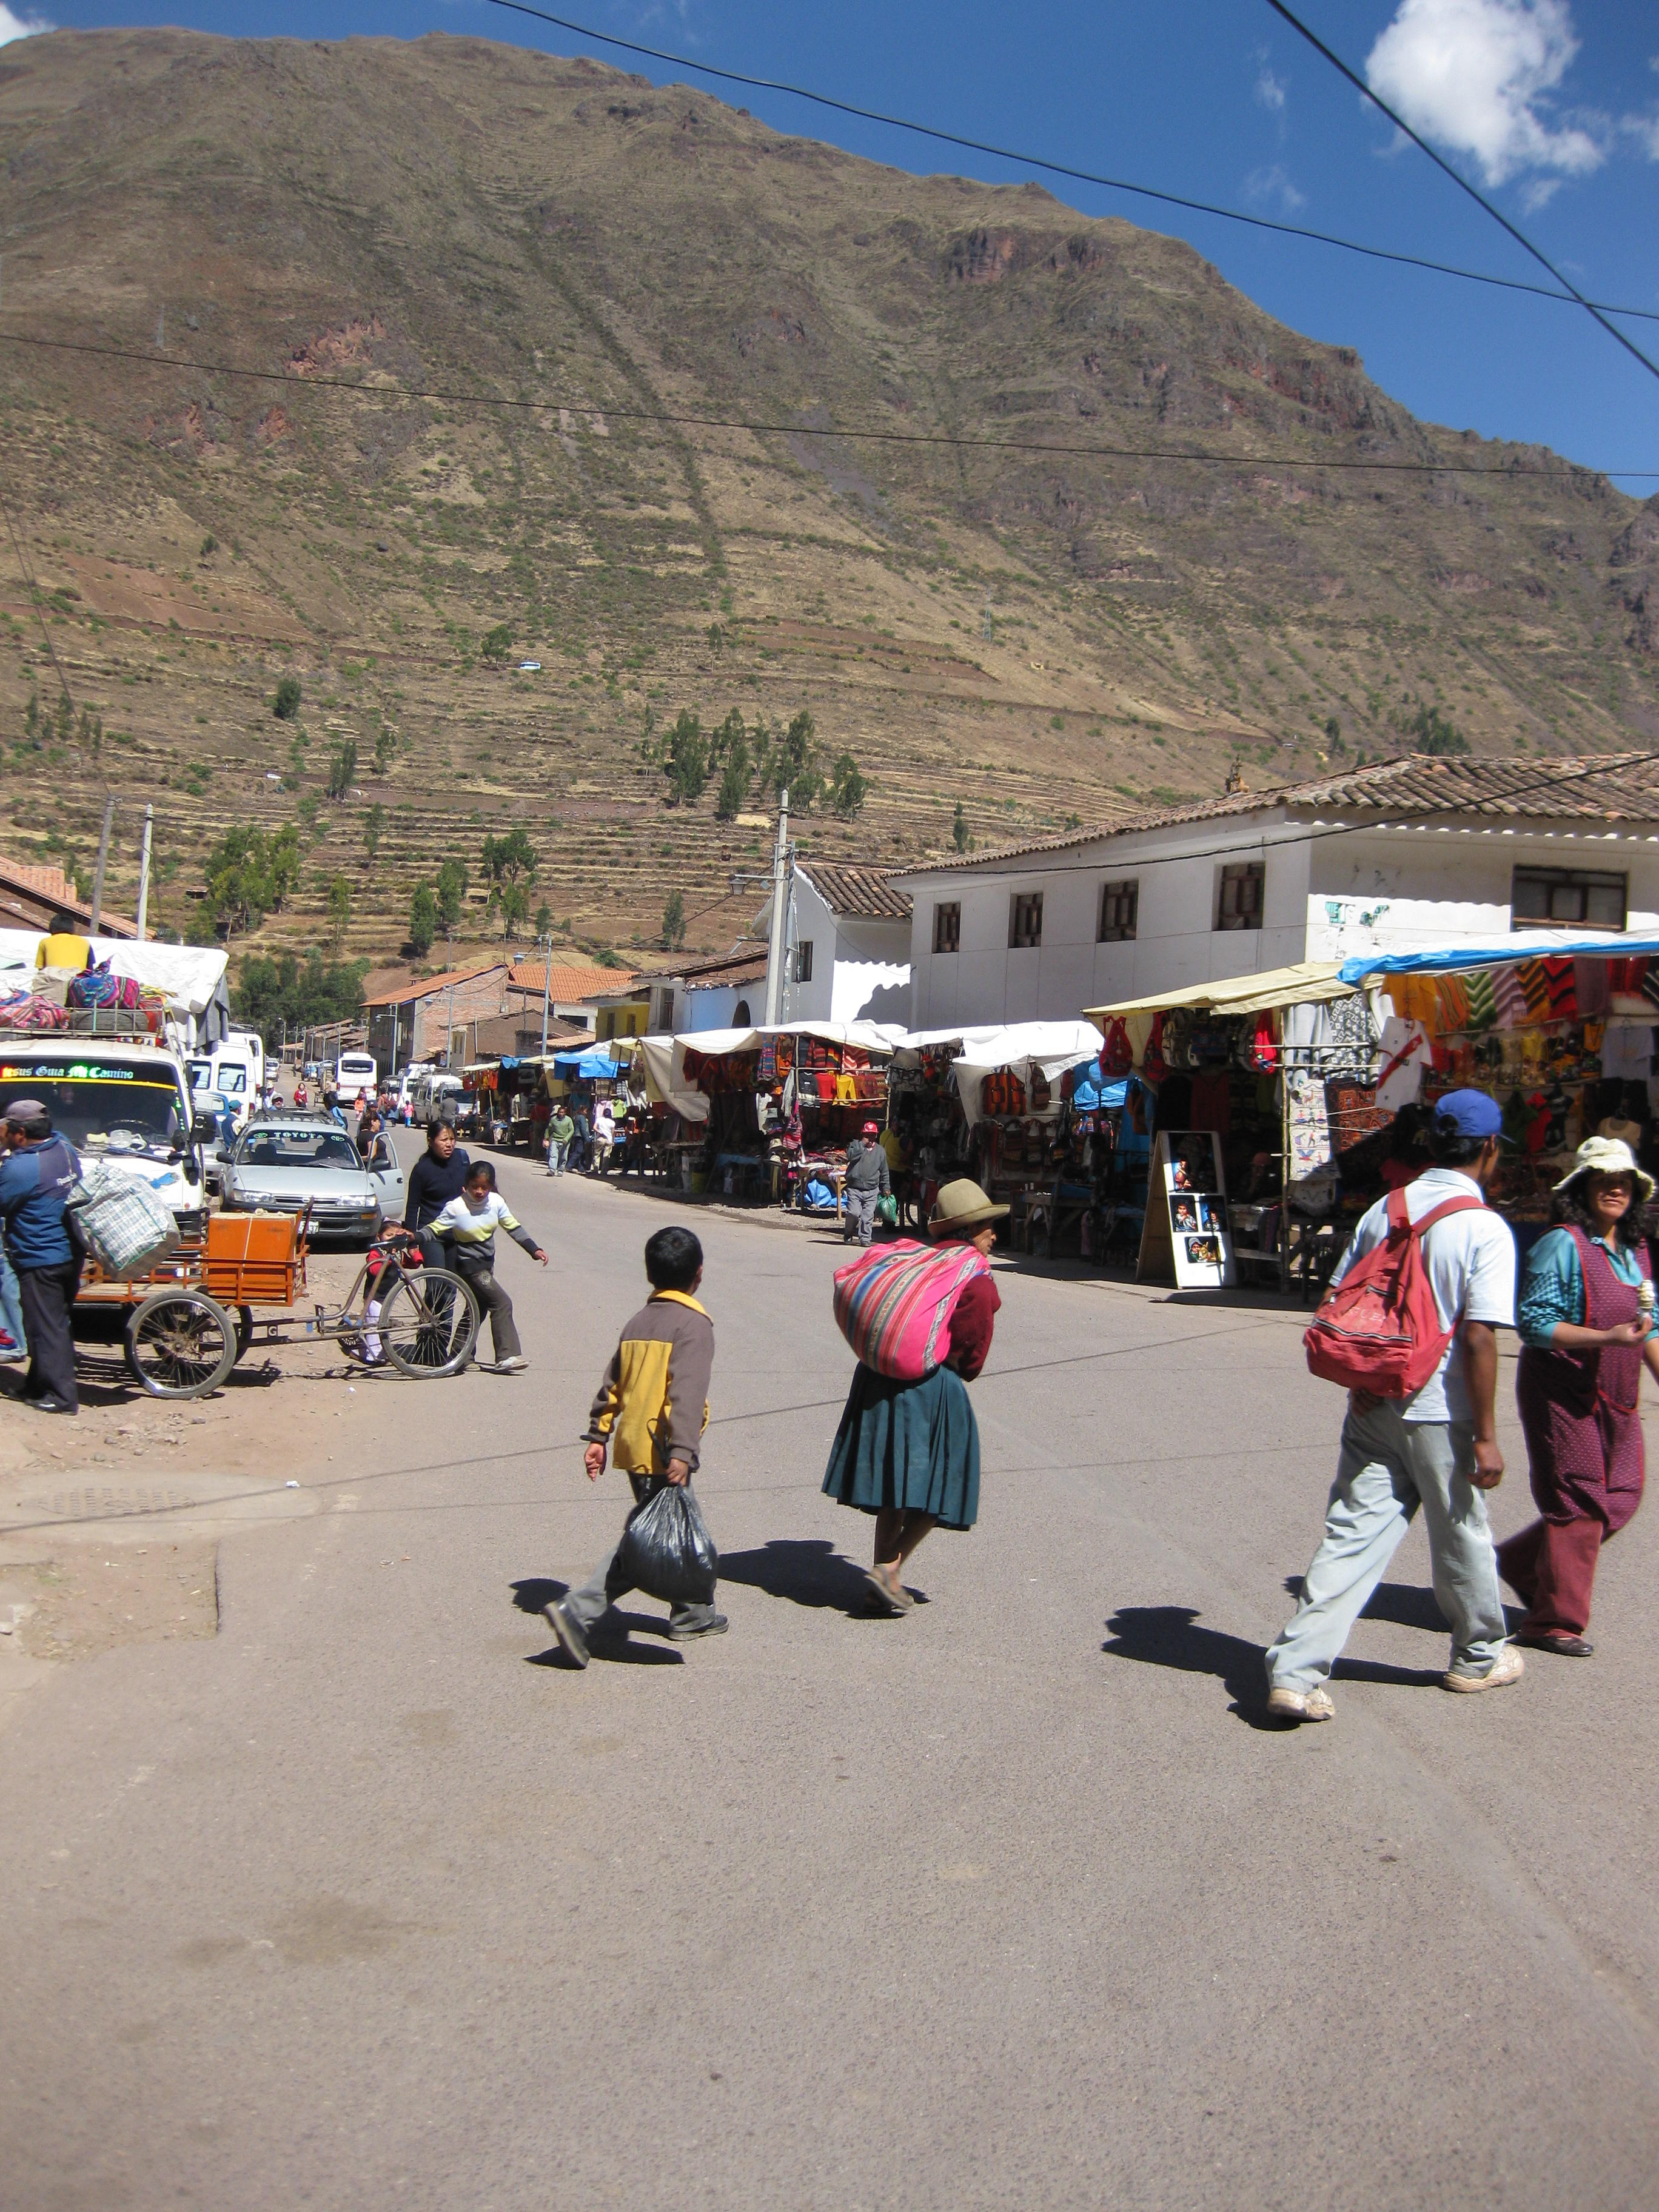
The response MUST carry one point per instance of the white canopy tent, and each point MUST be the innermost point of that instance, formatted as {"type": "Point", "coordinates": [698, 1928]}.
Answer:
{"type": "Point", "coordinates": [1052, 1047]}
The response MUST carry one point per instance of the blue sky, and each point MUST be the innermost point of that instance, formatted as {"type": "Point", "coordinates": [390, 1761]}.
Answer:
{"type": "Point", "coordinates": [1552, 105]}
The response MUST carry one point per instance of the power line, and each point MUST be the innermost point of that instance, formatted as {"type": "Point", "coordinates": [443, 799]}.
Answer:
{"type": "Point", "coordinates": [384, 392]}
{"type": "Point", "coordinates": [1462, 183]}
{"type": "Point", "coordinates": [1062, 169]}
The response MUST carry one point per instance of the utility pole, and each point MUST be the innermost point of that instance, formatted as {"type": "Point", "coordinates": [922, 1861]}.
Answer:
{"type": "Point", "coordinates": [143, 874]}
{"type": "Point", "coordinates": [777, 943]}
{"type": "Point", "coordinates": [546, 944]}
{"type": "Point", "coordinates": [103, 856]}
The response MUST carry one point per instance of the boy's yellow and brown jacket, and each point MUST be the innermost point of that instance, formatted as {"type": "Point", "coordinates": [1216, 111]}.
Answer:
{"type": "Point", "coordinates": [652, 1405]}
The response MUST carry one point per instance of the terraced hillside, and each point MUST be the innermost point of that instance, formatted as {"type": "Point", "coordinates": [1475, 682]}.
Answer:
{"type": "Point", "coordinates": [588, 284]}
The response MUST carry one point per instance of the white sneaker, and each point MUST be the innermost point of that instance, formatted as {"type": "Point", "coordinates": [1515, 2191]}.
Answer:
{"type": "Point", "coordinates": [1508, 1667]}
{"type": "Point", "coordinates": [513, 1365]}
{"type": "Point", "coordinates": [1315, 1704]}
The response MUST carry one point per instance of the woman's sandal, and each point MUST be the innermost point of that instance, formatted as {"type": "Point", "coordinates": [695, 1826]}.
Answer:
{"type": "Point", "coordinates": [894, 1598]}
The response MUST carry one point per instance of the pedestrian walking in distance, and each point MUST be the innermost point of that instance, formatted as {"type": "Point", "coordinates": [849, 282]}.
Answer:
{"type": "Point", "coordinates": [465, 1230]}
{"type": "Point", "coordinates": [651, 1411]}
{"type": "Point", "coordinates": [908, 1452]}
{"type": "Point", "coordinates": [560, 1131]}
{"type": "Point", "coordinates": [866, 1181]}
{"type": "Point", "coordinates": [38, 1174]}
{"type": "Point", "coordinates": [1587, 1331]}
{"type": "Point", "coordinates": [1436, 1449]}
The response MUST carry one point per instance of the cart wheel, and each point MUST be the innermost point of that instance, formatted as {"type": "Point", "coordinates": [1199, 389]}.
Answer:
{"type": "Point", "coordinates": [180, 1343]}
{"type": "Point", "coordinates": [428, 1324]}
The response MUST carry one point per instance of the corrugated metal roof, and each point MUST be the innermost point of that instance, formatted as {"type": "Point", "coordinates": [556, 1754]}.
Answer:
{"type": "Point", "coordinates": [870, 892]}
{"type": "Point", "coordinates": [1580, 787]}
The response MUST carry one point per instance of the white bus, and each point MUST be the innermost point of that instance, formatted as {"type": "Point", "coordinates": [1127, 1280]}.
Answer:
{"type": "Point", "coordinates": [356, 1071]}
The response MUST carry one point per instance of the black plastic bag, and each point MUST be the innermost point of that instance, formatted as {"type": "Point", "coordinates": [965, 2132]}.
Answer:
{"type": "Point", "coordinates": [665, 1550]}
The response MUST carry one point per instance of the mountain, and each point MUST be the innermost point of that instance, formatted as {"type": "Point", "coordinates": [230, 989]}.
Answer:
{"type": "Point", "coordinates": [708, 419]}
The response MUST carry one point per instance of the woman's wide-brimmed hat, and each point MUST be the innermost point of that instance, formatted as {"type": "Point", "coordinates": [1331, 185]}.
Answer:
{"type": "Point", "coordinates": [1604, 1155]}
{"type": "Point", "coordinates": [962, 1205]}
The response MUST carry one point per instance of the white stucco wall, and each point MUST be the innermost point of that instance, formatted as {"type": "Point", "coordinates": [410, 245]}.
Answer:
{"type": "Point", "coordinates": [1326, 896]}
{"type": "Point", "coordinates": [860, 967]}
{"type": "Point", "coordinates": [715, 1008]}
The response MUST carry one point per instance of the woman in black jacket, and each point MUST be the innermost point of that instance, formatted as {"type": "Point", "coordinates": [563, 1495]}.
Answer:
{"type": "Point", "coordinates": [437, 1177]}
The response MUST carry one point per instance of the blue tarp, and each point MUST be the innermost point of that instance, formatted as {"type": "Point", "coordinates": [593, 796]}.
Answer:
{"type": "Point", "coordinates": [1525, 945]}
{"type": "Point", "coordinates": [590, 1066]}
{"type": "Point", "coordinates": [1089, 1095]}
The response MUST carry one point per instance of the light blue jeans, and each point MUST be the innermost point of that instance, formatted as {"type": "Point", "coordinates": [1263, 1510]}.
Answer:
{"type": "Point", "coordinates": [11, 1311]}
{"type": "Point", "coordinates": [1388, 1468]}
{"type": "Point", "coordinates": [556, 1154]}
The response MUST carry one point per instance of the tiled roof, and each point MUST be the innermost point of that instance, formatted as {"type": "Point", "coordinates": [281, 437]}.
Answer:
{"type": "Point", "coordinates": [403, 993]}
{"type": "Point", "coordinates": [1588, 788]}
{"type": "Point", "coordinates": [568, 985]}
{"type": "Point", "coordinates": [870, 892]}
{"type": "Point", "coordinates": [744, 963]}
{"type": "Point", "coordinates": [49, 887]}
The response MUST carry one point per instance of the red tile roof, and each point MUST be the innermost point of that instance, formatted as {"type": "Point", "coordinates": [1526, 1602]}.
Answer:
{"type": "Point", "coordinates": [569, 984]}
{"type": "Point", "coordinates": [868, 892]}
{"type": "Point", "coordinates": [401, 995]}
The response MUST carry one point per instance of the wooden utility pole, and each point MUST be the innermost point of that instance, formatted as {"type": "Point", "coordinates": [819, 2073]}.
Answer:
{"type": "Point", "coordinates": [103, 857]}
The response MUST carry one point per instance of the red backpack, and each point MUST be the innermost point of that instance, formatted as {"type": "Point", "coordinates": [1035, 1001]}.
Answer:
{"type": "Point", "coordinates": [1379, 1330]}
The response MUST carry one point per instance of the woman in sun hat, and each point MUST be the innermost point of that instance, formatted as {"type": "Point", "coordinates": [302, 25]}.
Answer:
{"type": "Point", "coordinates": [908, 1452]}
{"type": "Point", "coordinates": [1586, 1318]}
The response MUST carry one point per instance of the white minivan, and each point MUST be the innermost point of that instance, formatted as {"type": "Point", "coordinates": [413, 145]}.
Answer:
{"type": "Point", "coordinates": [435, 1096]}
{"type": "Point", "coordinates": [356, 1072]}
{"type": "Point", "coordinates": [227, 1070]}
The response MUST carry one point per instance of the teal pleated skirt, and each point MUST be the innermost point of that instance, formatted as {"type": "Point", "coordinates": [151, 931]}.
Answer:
{"type": "Point", "coordinates": [914, 1445]}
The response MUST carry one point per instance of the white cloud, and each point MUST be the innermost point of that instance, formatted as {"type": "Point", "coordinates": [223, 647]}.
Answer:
{"type": "Point", "coordinates": [1269, 93]}
{"type": "Point", "coordinates": [1644, 130]}
{"type": "Point", "coordinates": [19, 27]}
{"type": "Point", "coordinates": [1476, 76]}
{"type": "Point", "coordinates": [1274, 187]}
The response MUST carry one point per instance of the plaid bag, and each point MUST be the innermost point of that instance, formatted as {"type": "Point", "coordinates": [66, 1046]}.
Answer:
{"type": "Point", "coordinates": [125, 1226]}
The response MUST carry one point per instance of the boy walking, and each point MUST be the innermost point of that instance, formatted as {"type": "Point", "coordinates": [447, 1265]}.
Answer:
{"type": "Point", "coordinates": [653, 1406]}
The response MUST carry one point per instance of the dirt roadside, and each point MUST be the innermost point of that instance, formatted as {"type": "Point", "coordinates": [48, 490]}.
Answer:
{"type": "Point", "coordinates": [110, 1524]}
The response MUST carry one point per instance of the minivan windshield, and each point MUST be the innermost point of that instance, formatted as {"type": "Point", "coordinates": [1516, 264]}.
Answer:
{"type": "Point", "coordinates": [102, 1107]}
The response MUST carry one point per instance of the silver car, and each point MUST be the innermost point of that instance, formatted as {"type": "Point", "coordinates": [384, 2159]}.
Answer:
{"type": "Point", "coordinates": [283, 1163]}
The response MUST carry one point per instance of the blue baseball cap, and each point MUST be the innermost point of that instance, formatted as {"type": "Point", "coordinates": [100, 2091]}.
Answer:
{"type": "Point", "coordinates": [1472, 1113]}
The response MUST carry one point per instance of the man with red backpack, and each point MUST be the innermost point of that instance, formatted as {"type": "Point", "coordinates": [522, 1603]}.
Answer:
{"type": "Point", "coordinates": [1426, 1434]}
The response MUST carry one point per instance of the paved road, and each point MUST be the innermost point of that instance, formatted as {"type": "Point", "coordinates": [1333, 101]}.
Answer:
{"type": "Point", "coordinates": [371, 1902]}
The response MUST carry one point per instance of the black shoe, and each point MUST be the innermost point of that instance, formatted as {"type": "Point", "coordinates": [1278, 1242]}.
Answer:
{"type": "Point", "coordinates": [567, 1629]}
{"type": "Point", "coordinates": [1538, 1640]}
{"type": "Point", "coordinates": [687, 1632]}
{"type": "Point", "coordinates": [49, 1404]}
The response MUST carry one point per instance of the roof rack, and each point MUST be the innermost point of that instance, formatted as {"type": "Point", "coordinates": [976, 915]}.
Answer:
{"type": "Point", "coordinates": [139, 1025]}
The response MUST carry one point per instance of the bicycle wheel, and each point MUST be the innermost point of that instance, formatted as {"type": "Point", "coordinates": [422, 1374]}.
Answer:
{"type": "Point", "coordinates": [428, 1324]}
{"type": "Point", "coordinates": [180, 1343]}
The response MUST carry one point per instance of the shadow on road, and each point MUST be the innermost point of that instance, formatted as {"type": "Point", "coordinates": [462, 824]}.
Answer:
{"type": "Point", "coordinates": [1168, 1636]}
{"type": "Point", "coordinates": [806, 1571]}
{"type": "Point", "coordinates": [609, 1640]}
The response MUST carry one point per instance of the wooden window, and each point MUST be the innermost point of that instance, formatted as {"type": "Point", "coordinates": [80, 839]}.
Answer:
{"type": "Point", "coordinates": [1239, 906]}
{"type": "Point", "coordinates": [803, 961]}
{"type": "Point", "coordinates": [947, 926]}
{"type": "Point", "coordinates": [1120, 903]}
{"type": "Point", "coordinates": [1026, 919]}
{"type": "Point", "coordinates": [1557, 898]}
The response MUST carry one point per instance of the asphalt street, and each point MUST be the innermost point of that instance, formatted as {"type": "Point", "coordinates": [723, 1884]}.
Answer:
{"type": "Point", "coordinates": [370, 1900]}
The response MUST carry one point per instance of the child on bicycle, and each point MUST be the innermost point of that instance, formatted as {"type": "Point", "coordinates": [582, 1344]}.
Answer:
{"type": "Point", "coordinates": [466, 1230]}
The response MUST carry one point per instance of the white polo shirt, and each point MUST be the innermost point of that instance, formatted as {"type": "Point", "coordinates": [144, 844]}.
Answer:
{"type": "Point", "coordinates": [1471, 1262]}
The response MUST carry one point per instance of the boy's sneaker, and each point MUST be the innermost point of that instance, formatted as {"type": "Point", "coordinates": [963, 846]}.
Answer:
{"type": "Point", "coordinates": [1295, 1705]}
{"type": "Point", "coordinates": [685, 1631]}
{"type": "Point", "coordinates": [1508, 1667]}
{"type": "Point", "coordinates": [565, 1627]}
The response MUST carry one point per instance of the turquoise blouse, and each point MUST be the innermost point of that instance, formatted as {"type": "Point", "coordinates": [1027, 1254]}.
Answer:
{"type": "Point", "coordinates": [1553, 1286]}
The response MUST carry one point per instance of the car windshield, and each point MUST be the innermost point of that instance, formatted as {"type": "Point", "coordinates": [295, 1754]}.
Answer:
{"type": "Point", "coordinates": [102, 1109]}
{"type": "Point", "coordinates": [297, 1148]}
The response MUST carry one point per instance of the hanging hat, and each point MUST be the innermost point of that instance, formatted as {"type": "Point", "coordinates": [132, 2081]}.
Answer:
{"type": "Point", "coordinates": [962, 1205]}
{"type": "Point", "coordinates": [1606, 1156]}
{"type": "Point", "coordinates": [1625, 1133]}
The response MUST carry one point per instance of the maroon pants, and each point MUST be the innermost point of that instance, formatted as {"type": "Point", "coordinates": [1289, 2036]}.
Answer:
{"type": "Point", "coordinates": [1552, 1566]}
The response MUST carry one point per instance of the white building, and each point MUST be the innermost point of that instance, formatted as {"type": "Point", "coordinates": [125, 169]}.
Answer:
{"type": "Point", "coordinates": [727, 992]}
{"type": "Point", "coordinates": [1402, 855]}
{"type": "Point", "coordinates": [849, 939]}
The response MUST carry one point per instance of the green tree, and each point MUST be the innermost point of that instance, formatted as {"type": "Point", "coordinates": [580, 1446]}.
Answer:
{"type": "Point", "coordinates": [1431, 732]}
{"type": "Point", "coordinates": [341, 768]}
{"type": "Point", "coordinates": [451, 897]}
{"type": "Point", "coordinates": [385, 744]}
{"type": "Point", "coordinates": [248, 876]}
{"type": "Point", "coordinates": [847, 788]}
{"type": "Point", "coordinates": [685, 760]}
{"type": "Point", "coordinates": [794, 766]}
{"type": "Point", "coordinates": [514, 905]}
{"type": "Point", "coordinates": [373, 823]}
{"type": "Point", "coordinates": [32, 716]}
{"type": "Point", "coordinates": [210, 544]}
{"type": "Point", "coordinates": [496, 644]}
{"type": "Point", "coordinates": [505, 859]}
{"type": "Point", "coordinates": [272, 989]}
{"type": "Point", "coordinates": [286, 705]}
{"type": "Point", "coordinates": [1333, 735]}
{"type": "Point", "coordinates": [339, 910]}
{"type": "Point", "coordinates": [423, 921]}
{"type": "Point", "coordinates": [959, 829]}
{"type": "Point", "coordinates": [543, 920]}
{"type": "Point", "coordinates": [673, 923]}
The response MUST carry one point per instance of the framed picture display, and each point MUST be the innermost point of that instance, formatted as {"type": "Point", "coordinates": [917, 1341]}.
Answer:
{"type": "Point", "coordinates": [1186, 1214]}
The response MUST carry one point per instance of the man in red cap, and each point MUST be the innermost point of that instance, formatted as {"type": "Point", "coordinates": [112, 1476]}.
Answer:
{"type": "Point", "coordinates": [867, 1180]}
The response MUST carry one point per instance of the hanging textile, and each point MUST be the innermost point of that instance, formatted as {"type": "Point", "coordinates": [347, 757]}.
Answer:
{"type": "Point", "coordinates": [1310, 1185]}
{"type": "Point", "coordinates": [1592, 986]}
{"type": "Point", "coordinates": [1536, 986]}
{"type": "Point", "coordinates": [1483, 999]}
{"type": "Point", "coordinates": [1404, 1055]}
{"type": "Point", "coordinates": [1563, 994]}
{"type": "Point", "coordinates": [1452, 1001]}
{"type": "Point", "coordinates": [1511, 998]}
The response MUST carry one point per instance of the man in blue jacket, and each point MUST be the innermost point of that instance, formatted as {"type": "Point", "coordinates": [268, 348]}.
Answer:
{"type": "Point", "coordinates": [38, 1174]}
